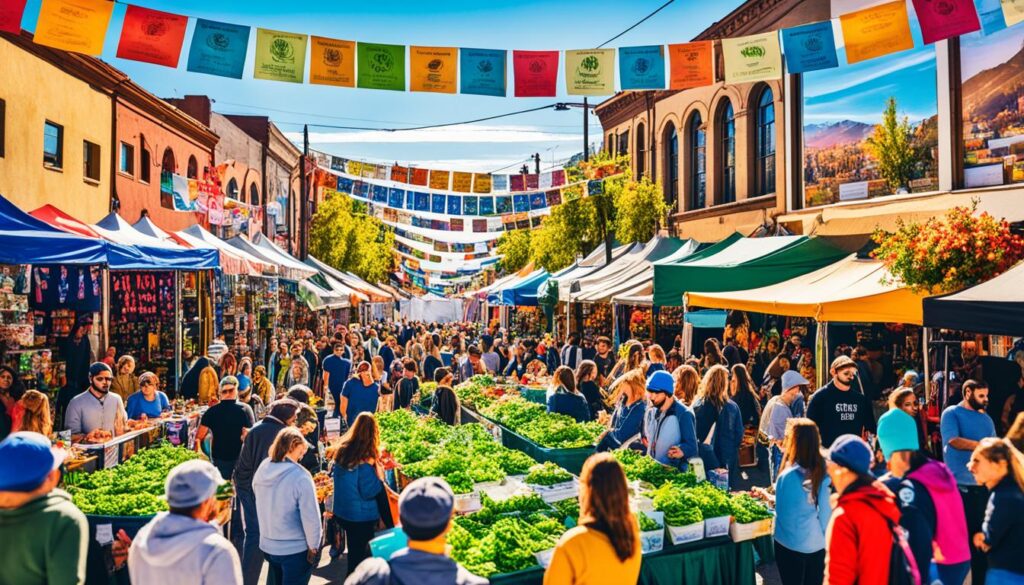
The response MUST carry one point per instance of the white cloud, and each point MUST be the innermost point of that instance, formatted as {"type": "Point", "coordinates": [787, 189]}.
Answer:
{"type": "Point", "coordinates": [452, 134]}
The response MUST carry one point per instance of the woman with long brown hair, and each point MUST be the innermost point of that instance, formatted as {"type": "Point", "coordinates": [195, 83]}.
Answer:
{"type": "Point", "coordinates": [358, 481]}
{"type": "Point", "coordinates": [741, 389]}
{"type": "Point", "coordinates": [687, 382]}
{"type": "Point", "coordinates": [999, 466]}
{"type": "Point", "coordinates": [564, 398]}
{"type": "Point", "coordinates": [605, 546]}
{"type": "Point", "coordinates": [634, 359]}
{"type": "Point", "coordinates": [712, 354]}
{"type": "Point", "coordinates": [802, 506]}
{"type": "Point", "coordinates": [718, 423]}
{"type": "Point", "coordinates": [37, 413]}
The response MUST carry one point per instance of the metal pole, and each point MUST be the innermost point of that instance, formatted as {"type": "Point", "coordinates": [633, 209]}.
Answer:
{"type": "Point", "coordinates": [586, 130]}
{"type": "Point", "coordinates": [105, 276]}
{"type": "Point", "coordinates": [304, 196]}
{"type": "Point", "coordinates": [177, 332]}
{"type": "Point", "coordinates": [536, 162]}
{"type": "Point", "coordinates": [927, 366]}
{"type": "Point", "coordinates": [821, 348]}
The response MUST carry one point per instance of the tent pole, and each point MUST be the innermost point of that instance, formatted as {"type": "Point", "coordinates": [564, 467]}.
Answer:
{"type": "Point", "coordinates": [615, 324]}
{"type": "Point", "coordinates": [822, 351]}
{"type": "Point", "coordinates": [105, 308]}
{"type": "Point", "coordinates": [925, 334]}
{"type": "Point", "coordinates": [177, 331]}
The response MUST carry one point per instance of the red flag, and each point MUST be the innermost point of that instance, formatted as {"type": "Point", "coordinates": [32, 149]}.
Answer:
{"type": "Point", "coordinates": [536, 73]}
{"type": "Point", "coordinates": [152, 36]}
{"type": "Point", "coordinates": [10, 15]}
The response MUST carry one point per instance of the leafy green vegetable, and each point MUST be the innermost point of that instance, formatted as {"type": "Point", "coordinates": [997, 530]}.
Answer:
{"type": "Point", "coordinates": [550, 430]}
{"type": "Point", "coordinates": [647, 523]}
{"type": "Point", "coordinates": [547, 474]}
{"type": "Point", "coordinates": [679, 506]}
{"type": "Point", "coordinates": [746, 509]}
{"type": "Point", "coordinates": [639, 466]}
{"type": "Point", "coordinates": [713, 502]}
{"type": "Point", "coordinates": [567, 508]}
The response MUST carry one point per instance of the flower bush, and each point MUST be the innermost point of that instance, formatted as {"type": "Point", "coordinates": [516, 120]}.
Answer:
{"type": "Point", "coordinates": [949, 253]}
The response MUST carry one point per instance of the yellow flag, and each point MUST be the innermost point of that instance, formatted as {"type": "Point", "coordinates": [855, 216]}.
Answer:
{"type": "Point", "coordinates": [332, 62]}
{"type": "Point", "coordinates": [433, 69]}
{"type": "Point", "coordinates": [481, 183]}
{"type": "Point", "coordinates": [590, 72]}
{"type": "Point", "coordinates": [752, 58]}
{"type": "Point", "coordinates": [1013, 11]}
{"type": "Point", "coordinates": [876, 31]}
{"type": "Point", "coordinates": [280, 56]}
{"type": "Point", "coordinates": [74, 25]}
{"type": "Point", "coordinates": [462, 182]}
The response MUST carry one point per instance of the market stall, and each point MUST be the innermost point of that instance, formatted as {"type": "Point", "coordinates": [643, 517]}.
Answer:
{"type": "Point", "coordinates": [995, 307]}
{"type": "Point", "coordinates": [291, 316]}
{"type": "Point", "coordinates": [431, 308]}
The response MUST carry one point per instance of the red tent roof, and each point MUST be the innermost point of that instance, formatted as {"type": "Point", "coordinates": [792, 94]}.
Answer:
{"type": "Point", "coordinates": [63, 221]}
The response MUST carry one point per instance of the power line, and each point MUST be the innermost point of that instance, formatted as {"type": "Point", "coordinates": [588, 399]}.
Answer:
{"type": "Point", "coordinates": [638, 23]}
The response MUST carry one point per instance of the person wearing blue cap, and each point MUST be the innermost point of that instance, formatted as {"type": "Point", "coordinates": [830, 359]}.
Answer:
{"type": "Point", "coordinates": [426, 508]}
{"type": "Point", "coordinates": [44, 535]}
{"type": "Point", "coordinates": [185, 544]}
{"type": "Point", "coordinates": [669, 425]}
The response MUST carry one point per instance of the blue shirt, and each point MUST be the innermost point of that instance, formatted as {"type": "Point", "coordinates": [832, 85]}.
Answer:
{"type": "Point", "coordinates": [138, 405]}
{"type": "Point", "coordinates": [360, 398]}
{"type": "Point", "coordinates": [800, 523]}
{"type": "Point", "coordinates": [958, 421]}
{"type": "Point", "coordinates": [243, 382]}
{"type": "Point", "coordinates": [574, 405]}
{"type": "Point", "coordinates": [355, 493]}
{"type": "Point", "coordinates": [339, 369]}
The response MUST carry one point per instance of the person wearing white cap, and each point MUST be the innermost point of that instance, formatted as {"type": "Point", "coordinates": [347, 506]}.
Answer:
{"type": "Point", "coordinates": [775, 415]}
{"type": "Point", "coordinates": [185, 545]}
{"type": "Point", "coordinates": [837, 409]}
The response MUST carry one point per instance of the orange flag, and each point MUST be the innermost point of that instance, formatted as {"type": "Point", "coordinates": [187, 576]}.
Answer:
{"type": "Point", "coordinates": [433, 69]}
{"type": "Point", "coordinates": [876, 31]}
{"type": "Point", "coordinates": [691, 64]}
{"type": "Point", "coordinates": [74, 25]}
{"type": "Point", "coordinates": [332, 62]}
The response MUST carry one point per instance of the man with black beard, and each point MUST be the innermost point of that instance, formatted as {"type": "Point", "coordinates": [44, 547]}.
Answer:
{"type": "Point", "coordinates": [96, 415]}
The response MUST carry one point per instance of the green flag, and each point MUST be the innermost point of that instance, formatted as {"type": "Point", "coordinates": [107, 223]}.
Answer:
{"type": "Point", "coordinates": [280, 56]}
{"type": "Point", "coordinates": [381, 66]}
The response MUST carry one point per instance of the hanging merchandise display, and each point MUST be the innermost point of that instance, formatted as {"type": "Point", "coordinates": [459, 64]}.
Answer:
{"type": "Point", "coordinates": [142, 318]}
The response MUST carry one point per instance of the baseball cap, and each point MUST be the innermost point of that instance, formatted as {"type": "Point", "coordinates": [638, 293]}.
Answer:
{"type": "Point", "coordinates": [661, 381]}
{"type": "Point", "coordinates": [842, 362]}
{"type": "Point", "coordinates": [25, 460]}
{"type": "Point", "coordinates": [191, 483]}
{"type": "Point", "coordinates": [791, 378]}
{"type": "Point", "coordinates": [229, 381]}
{"type": "Point", "coordinates": [425, 508]}
{"type": "Point", "coordinates": [99, 367]}
{"type": "Point", "coordinates": [897, 431]}
{"type": "Point", "coordinates": [851, 452]}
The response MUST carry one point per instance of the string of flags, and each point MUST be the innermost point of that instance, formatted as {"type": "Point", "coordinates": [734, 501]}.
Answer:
{"type": "Point", "coordinates": [870, 30]}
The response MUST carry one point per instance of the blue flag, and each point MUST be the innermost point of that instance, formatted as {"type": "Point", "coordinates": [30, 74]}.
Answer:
{"type": "Point", "coordinates": [809, 47]}
{"type": "Point", "coordinates": [437, 203]}
{"type": "Point", "coordinates": [454, 205]}
{"type": "Point", "coordinates": [487, 206]}
{"type": "Point", "coordinates": [521, 203]}
{"type": "Point", "coordinates": [482, 72]}
{"type": "Point", "coordinates": [395, 198]}
{"type": "Point", "coordinates": [422, 202]}
{"type": "Point", "coordinates": [469, 205]}
{"type": "Point", "coordinates": [642, 67]}
{"type": "Point", "coordinates": [218, 48]}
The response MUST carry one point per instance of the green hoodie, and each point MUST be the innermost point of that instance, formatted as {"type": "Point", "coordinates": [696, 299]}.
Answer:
{"type": "Point", "coordinates": [44, 542]}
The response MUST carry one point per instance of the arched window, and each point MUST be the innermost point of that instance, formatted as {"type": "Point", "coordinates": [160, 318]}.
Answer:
{"type": "Point", "coordinates": [727, 134]}
{"type": "Point", "coordinates": [766, 143]}
{"type": "Point", "coordinates": [232, 189]}
{"type": "Point", "coordinates": [698, 163]}
{"type": "Point", "coordinates": [167, 165]}
{"type": "Point", "coordinates": [254, 195]}
{"type": "Point", "coordinates": [193, 167]}
{"type": "Point", "coordinates": [670, 139]}
{"type": "Point", "coordinates": [641, 153]}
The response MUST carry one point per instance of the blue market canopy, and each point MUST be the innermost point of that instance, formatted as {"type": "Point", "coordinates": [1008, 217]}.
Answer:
{"type": "Point", "coordinates": [149, 252]}
{"type": "Point", "coordinates": [27, 240]}
{"type": "Point", "coordinates": [521, 292]}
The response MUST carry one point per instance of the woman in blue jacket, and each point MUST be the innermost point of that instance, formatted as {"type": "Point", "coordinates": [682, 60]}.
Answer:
{"type": "Point", "coordinates": [628, 417]}
{"type": "Point", "coordinates": [563, 398]}
{"type": "Point", "coordinates": [716, 413]}
{"type": "Point", "coordinates": [357, 485]}
{"type": "Point", "coordinates": [802, 508]}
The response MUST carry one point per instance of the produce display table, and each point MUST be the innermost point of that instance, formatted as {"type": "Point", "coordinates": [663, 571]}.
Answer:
{"type": "Point", "coordinates": [570, 459]}
{"type": "Point", "coordinates": [121, 448]}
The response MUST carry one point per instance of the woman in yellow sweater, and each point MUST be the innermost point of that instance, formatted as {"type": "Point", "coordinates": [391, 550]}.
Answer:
{"type": "Point", "coordinates": [605, 546]}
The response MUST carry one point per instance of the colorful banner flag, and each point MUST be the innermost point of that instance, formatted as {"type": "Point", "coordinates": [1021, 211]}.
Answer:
{"type": "Point", "coordinates": [439, 180]}
{"type": "Point", "coordinates": [454, 205]}
{"type": "Point", "coordinates": [942, 19]}
{"type": "Point", "coordinates": [437, 203]}
{"type": "Point", "coordinates": [152, 36]}
{"type": "Point", "coordinates": [590, 72]}
{"type": "Point", "coordinates": [810, 47]}
{"type": "Point", "coordinates": [280, 56]}
{"type": "Point", "coordinates": [752, 58]}
{"type": "Point", "coordinates": [487, 206]}
{"type": "Point", "coordinates": [395, 197]}
{"type": "Point", "coordinates": [691, 65]}
{"type": "Point", "coordinates": [532, 181]}
{"type": "Point", "coordinates": [400, 174]}
{"type": "Point", "coordinates": [11, 12]}
{"type": "Point", "coordinates": [876, 31]}
{"type": "Point", "coordinates": [462, 182]}
{"type": "Point", "coordinates": [74, 25]}
{"type": "Point", "coordinates": [517, 183]}
{"type": "Point", "coordinates": [433, 69]}
{"type": "Point", "coordinates": [642, 67]}
{"type": "Point", "coordinates": [558, 178]}
{"type": "Point", "coordinates": [483, 72]}
{"type": "Point", "coordinates": [470, 205]}
{"type": "Point", "coordinates": [481, 183]}
{"type": "Point", "coordinates": [419, 177]}
{"type": "Point", "coordinates": [381, 66]}
{"type": "Point", "coordinates": [502, 205]}
{"type": "Point", "coordinates": [536, 73]}
{"type": "Point", "coordinates": [554, 197]}
{"type": "Point", "coordinates": [1013, 11]}
{"type": "Point", "coordinates": [218, 48]}
{"type": "Point", "coordinates": [499, 183]}
{"type": "Point", "coordinates": [332, 62]}
{"type": "Point", "coordinates": [422, 202]}
{"type": "Point", "coordinates": [990, 13]}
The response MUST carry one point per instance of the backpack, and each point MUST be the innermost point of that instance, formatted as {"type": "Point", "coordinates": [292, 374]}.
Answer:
{"type": "Point", "coordinates": [903, 568]}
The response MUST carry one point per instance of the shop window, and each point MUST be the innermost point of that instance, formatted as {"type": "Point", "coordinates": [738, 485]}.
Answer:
{"type": "Point", "coordinates": [727, 136]}
{"type": "Point", "coordinates": [254, 195]}
{"type": "Point", "coordinates": [671, 188]}
{"type": "Point", "coordinates": [232, 189]}
{"type": "Point", "coordinates": [90, 161]}
{"type": "Point", "coordinates": [640, 152]}
{"type": "Point", "coordinates": [623, 143]}
{"type": "Point", "coordinates": [766, 143]}
{"type": "Point", "coordinates": [842, 107]}
{"type": "Point", "coordinates": [53, 145]}
{"type": "Point", "coordinates": [145, 165]}
{"type": "Point", "coordinates": [127, 163]}
{"type": "Point", "coordinates": [193, 168]}
{"type": "Point", "coordinates": [698, 162]}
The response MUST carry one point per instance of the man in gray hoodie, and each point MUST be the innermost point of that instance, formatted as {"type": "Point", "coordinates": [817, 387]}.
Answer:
{"type": "Point", "coordinates": [184, 545]}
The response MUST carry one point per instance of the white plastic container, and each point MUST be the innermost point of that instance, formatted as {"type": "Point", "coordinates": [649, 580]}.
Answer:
{"type": "Point", "coordinates": [715, 527]}
{"type": "Point", "coordinates": [751, 530]}
{"type": "Point", "coordinates": [684, 534]}
{"type": "Point", "coordinates": [653, 540]}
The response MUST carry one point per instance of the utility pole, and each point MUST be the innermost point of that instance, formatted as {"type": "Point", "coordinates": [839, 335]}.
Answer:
{"type": "Point", "coordinates": [304, 197]}
{"type": "Point", "coordinates": [600, 204]}
{"type": "Point", "coordinates": [536, 162]}
{"type": "Point", "coordinates": [586, 130]}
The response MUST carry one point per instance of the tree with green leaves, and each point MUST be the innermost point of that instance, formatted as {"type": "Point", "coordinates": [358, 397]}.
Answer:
{"type": "Point", "coordinates": [344, 237]}
{"type": "Point", "coordinates": [891, 144]}
{"type": "Point", "coordinates": [640, 208]}
{"type": "Point", "coordinates": [514, 248]}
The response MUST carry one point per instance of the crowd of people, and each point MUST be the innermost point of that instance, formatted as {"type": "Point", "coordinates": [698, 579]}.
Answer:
{"type": "Point", "coordinates": [857, 500]}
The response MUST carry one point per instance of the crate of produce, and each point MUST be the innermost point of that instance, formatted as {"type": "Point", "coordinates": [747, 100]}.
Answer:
{"type": "Point", "coordinates": [751, 530]}
{"type": "Point", "coordinates": [652, 531]}
{"type": "Point", "coordinates": [689, 533]}
{"type": "Point", "coordinates": [551, 482]}
{"type": "Point", "coordinates": [750, 518]}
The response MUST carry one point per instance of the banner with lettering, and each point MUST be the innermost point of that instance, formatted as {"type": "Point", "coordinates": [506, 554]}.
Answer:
{"type": "Point", "coordinates": [74, 25]}
{"type": "Point", "coordinates": [810, 47]}
{"type": "Point", "coordinates": [590, 72]}
{"type": "Point", "coordinates": [536, 73]}
{"type": "Point", "coordinates": [642, 67]}
{"type": "Point", "coordinates": [752, 58]}
{"type": "Point", "coordinates": [483, 72]}
{"type": "Point", "coordinates": [381, 66]}
{"type": "Point", "coordinates": [691, 65]}
{"type": "Point", "coordinates": [218, 48]}
{"type": "Point", "coordinates": [152, 36]}
{"type": "Point", "coordinates": [876, 31]}
{"type": "Point", "coordinates": [332, 62]}
{"type": "Point", "coordinates": [1013, 11]}
{"type": "Point", "coordinates": [11, 12]}
{"type": "Point", "coordinates": [433, 69]}
{"type": "Point", "coordinates": [942, 19]}
{"type": "Point", "coordinates": [280, 56]}
{"type": "Point", "coordinates": [462, 182]}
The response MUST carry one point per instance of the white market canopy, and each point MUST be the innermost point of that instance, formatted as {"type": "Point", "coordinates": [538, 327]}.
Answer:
{"type": "Point", "coordinates": [600, 286]}
{"type": "Point", "coordinates": [431, 308]}
{"type": "Point", "coordinates": [234, 260]}
{"type": "Point", "coordinates": [289, 267]}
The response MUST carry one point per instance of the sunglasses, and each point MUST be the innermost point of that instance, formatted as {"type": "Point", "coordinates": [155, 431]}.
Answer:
{"type": "Point", "coordinates": [103, 378]}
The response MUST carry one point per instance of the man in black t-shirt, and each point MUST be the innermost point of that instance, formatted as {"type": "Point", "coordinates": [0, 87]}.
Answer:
{"type": "Point", "coordinates": [604, 359]}
{"type": "Point", "coordinates": [408, 385]}
{"type": "Point", "coordinates": [228, 421]}
{"type": "Point", "coordinates": [837, 409]}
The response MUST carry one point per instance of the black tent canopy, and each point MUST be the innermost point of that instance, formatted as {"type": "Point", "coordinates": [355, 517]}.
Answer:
{"type": "Point", "coordinates": [995, 307]}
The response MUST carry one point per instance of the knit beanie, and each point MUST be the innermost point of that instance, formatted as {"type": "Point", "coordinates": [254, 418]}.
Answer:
{"type": "Point", "coordinates": [897, 431]}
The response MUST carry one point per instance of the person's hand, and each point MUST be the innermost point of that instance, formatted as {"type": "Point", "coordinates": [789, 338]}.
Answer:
{"type": "Point", "coordinates": [328, 514]}
{"type": "Point", "coordinates": [675, 452]}
{"type": "Point", "coordinates": [979, 542]}
{"type": "Point", "coordinates": [119, 549]}
{"type": "Point", "coordinates": [312, 555]}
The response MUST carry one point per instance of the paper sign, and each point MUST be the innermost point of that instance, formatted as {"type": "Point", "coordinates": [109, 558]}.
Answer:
{"type": "Point", "coordinates": [280, 56]}
{"type": "Point", "coordinates": [1013, 11]}
{"type": "Point", "coordinates": [439, 180]}
{"type": "Point", "coordinates": [642, 67]}
{"type": "Point", "coordinates": [752, 58]}
{"type": "Point", "coordinates": [400, 174]}
{"type": "Point", "coordinates": [536, 73]}
{"type": "Point", "coordinates": [381, 66]}
{"type": "Point", "coordinates": [104, 534]}
{"type": "Point", "coordinates": [462, 182]}
{"type": "Point", "coordinates": [11, 12]}
{"type": "Point", "coordinates": [590, 72]}
{"type": "Point", "coordinates": [876, 31]}
{"type": "Point", "coordinates": [481, 183]}
{"type": "Point", "coordinates": [74, 25]}
{"type": "Point", "coordinates": [810, 47]}
{"type": "Point", "coordinates": [691, 65]}
{"type": "Point", "coordinates": [483, 72]}
{"type": "Point", "coordinates": [111, 456]}
{"type": "Point", "coordinates": [218, 48]}
{"type": "Point", "coordinates": [433, 69]}
{"type": "Point", "coordinates": [942, 19]}
{"type": "Point", "coordinates": [152, 36]}
{"type": "Point", "coordinates": [332, 426]}
{"type": "Point", "coordinates": [332, 62]}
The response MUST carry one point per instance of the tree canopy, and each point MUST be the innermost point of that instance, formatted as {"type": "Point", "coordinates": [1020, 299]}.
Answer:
{"type": "Point", "coordinates": [343, 236]}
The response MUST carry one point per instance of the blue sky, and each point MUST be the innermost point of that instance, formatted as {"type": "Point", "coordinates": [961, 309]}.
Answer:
{"type": "Point", "coordinates": [500, 24]}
